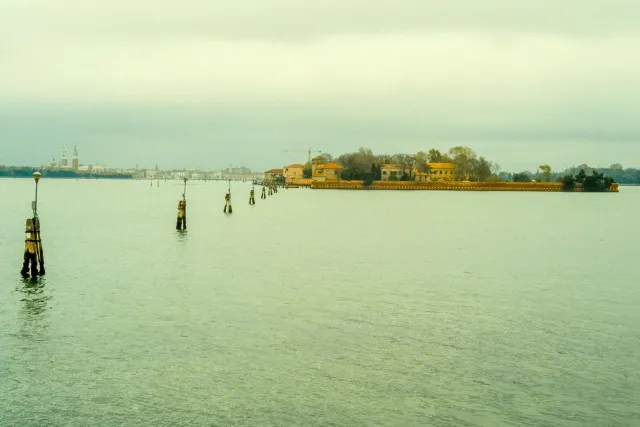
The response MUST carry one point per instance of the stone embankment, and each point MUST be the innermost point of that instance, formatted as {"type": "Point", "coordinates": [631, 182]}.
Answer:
{"type": "Point", "coordinates": [451, 186]}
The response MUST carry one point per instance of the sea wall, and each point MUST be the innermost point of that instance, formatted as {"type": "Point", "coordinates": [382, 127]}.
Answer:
{"type": "Point", "coordinates": [303, 182]}
{"type": "Point", "coordinates": [450, 186]}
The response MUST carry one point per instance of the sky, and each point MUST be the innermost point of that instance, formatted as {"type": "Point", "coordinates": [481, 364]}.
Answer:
{"type": "Point", "coordinates": [208, 83]}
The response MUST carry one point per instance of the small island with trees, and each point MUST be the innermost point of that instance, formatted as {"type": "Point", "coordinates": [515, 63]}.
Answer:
{"type": "Point", "coordinates": [460, 168]}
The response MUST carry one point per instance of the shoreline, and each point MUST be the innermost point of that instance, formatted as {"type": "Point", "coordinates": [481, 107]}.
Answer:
{"type": "Point", "coordinates": [127, 177]}
{"type": "Point", "coordinates": [454, 186]}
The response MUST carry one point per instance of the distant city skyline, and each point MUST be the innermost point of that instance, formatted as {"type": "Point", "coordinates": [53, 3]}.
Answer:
{"type": "Point", "coordinates": [285, 159]}
{"type": "Point", "coordinates": [197, 83]}
{"type": "Point", "coordinates": [62, 163]}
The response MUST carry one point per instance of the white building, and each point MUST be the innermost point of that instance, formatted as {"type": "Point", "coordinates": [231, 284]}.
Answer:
{"type": "Point", "coordinates": [64, 161]}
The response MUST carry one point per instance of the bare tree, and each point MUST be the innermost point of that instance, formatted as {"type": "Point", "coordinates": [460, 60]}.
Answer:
{"type": "Point", "coordinates": [463, 158]}
{"type": "Point", "coordinates": [545, 173]}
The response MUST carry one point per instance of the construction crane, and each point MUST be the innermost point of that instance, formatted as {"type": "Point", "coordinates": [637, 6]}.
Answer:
{"type": "Point", "coordinates": [309, 150]}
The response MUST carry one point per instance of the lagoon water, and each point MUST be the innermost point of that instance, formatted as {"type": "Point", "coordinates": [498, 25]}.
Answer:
{"type": "Point", "coordinates": [320, 308]}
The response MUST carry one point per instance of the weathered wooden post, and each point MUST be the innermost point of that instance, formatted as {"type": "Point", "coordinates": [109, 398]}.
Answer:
{"type": "Point", "coordinates": [252, 199]}
{"type": "Point", "coordinates": [227, 201]}
{"type": "Point", "coordinates": [264, 192]}
{"type": "Point", "coordinates": [182, 210]}
{"type": "Point", "coordinates": [33, 253]}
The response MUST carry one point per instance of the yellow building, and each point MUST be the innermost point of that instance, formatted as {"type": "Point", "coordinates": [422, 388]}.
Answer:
{"type": "Point", "coordinates": [330, 172]}
{"type": "Point", "coordinates": [441, 171]}
{"type": "Point", "coordinates": [391, 172]}
{"type": "Point", "coordinates": [291, 172]}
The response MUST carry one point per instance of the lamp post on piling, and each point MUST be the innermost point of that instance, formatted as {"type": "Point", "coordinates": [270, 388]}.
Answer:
{"type": "Point", "coordinates": [36, 177]}
{"type": "Point", "coordinates": [39, 250]}
{"type": "Point", "coordinates": [184, 194]}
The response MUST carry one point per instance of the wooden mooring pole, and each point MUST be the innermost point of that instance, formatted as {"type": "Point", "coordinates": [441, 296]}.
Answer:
{"type": "Point", "coordinates": [227, 201]}
{"type": "Point", "coordinates": [33, 252]}
{"type": "Point", "coordinates": [181, 225]}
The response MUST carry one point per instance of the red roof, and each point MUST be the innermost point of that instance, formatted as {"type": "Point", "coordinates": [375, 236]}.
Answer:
{"type": "Point", "coordinates": [331, 165]}
{"type": "Point", "coordinates": [272, 171]}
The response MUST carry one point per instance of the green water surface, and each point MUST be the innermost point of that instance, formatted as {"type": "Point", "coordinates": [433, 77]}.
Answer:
{"type": "Point", "coordinates": [320, 308]}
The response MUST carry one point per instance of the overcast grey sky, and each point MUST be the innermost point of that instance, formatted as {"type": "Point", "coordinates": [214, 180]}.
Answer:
{"type": "Point", "coordinates": [206, 83]}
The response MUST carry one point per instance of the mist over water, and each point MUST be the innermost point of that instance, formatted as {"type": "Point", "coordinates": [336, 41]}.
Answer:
{"type": "Point", "coordinates": [319, 308]}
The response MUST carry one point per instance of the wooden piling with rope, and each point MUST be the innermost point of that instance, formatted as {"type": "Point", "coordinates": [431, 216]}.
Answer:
{"type": "Point", "coordinates": [181, 224]}
{"type": "Point", "coordinates": [227, 201]}
{"type": "Point", "coordinates": [33, 253]}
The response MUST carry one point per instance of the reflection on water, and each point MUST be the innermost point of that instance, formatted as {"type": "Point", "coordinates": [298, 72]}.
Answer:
{"type": "Point", "coordinates": [182, 235]}
{"type": "Point", "coordinates": [34, 308]}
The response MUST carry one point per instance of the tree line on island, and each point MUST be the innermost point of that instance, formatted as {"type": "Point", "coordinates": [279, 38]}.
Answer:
{"type": "Point", "coordinates": [591, 179]}
{"type": "Point", "coordinates": [364, 165]}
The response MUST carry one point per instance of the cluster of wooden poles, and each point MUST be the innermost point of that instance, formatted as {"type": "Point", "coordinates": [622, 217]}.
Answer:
{"type": "Point", "coordinates": [34, 255]}
{"type": "Point", "coordinates": [181, 224]}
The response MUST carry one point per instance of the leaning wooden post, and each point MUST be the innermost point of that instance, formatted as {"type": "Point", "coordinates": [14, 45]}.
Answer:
{"type": "Point", "coordinates": [33, 252]}
{"type": "Point", "coordinates": [182, 210]}
{"type": "Point", "coordinates": [252, 199]}
{"type": "Point", "coordinates": [227, 201]}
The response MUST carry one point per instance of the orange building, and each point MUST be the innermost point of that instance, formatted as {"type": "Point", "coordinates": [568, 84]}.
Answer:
{"type": "Point", "coordinates": [316, 162]}
{"type": "Point", "coordinates": [328, 172]}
